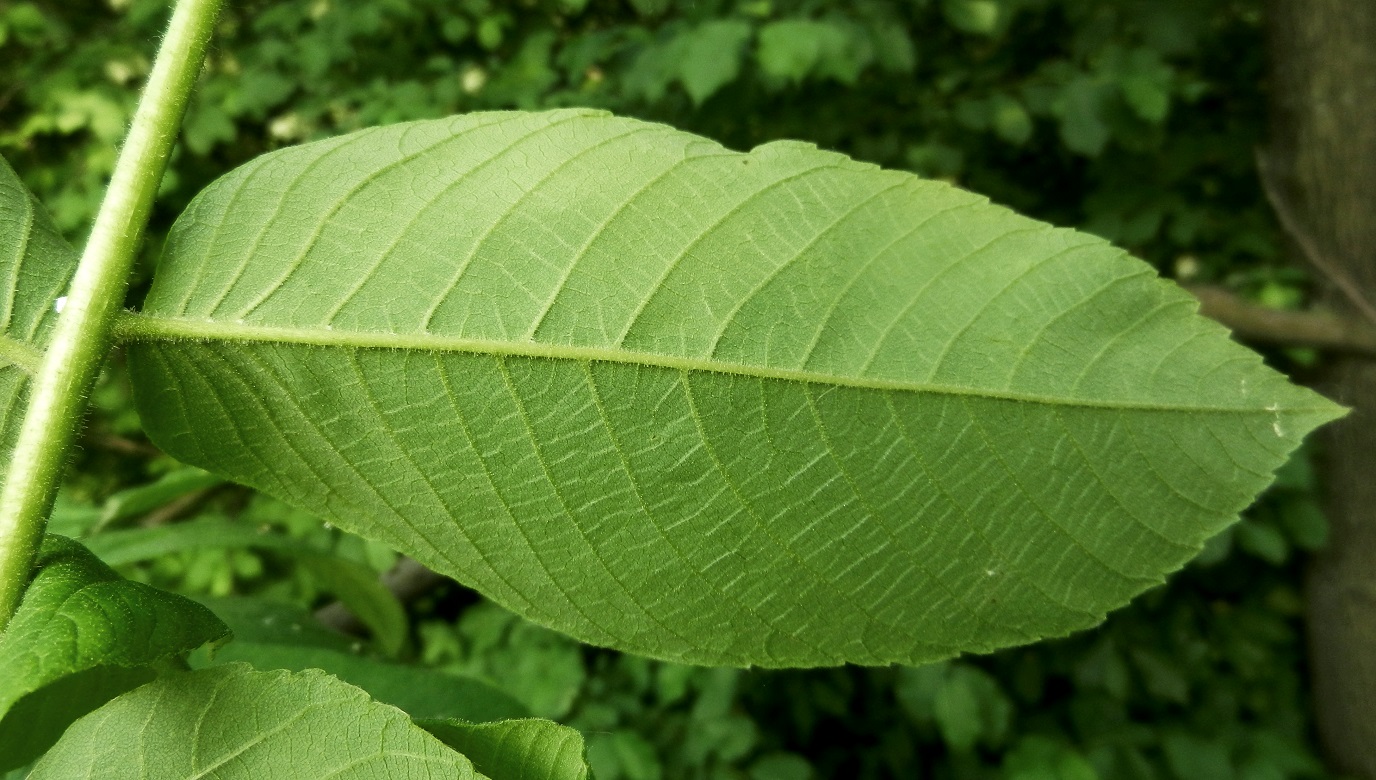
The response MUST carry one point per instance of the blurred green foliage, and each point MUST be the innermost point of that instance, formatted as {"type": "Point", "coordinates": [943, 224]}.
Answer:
{"type": "Point", "coordinates": [1134, 119]}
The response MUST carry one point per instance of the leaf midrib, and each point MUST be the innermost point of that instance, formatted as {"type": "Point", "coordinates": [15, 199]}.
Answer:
{"type": "Point", "coordinates": [140, 327]}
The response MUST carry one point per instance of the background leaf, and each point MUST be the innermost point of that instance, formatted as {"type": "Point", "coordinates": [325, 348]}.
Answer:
{"type": "Point", "coordinates": [791, 49]}
{"type": "Point", "coordinates": [421, 693]}
{"type": "Point", "coordinates": [35, 265]}
{"type": "Point", "coordinates": [712, 57]}
{"type": "Point", "coordinates": [128, 504]}
{"type": "Point", "coordinates": [352, 583]}
{"type": "Point", "coordinates": [530, 749]}
{"type": "Point", "coordinates": [824, 412]}
{"type": "Point", "coordinates": [978, 17]}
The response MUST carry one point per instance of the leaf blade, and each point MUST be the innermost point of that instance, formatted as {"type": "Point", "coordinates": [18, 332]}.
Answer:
{"type": "Point", "coordinates": [527, 749]}
{"type": "Point", "coordinates": [233, 722]}
{"type": "Point", "coordinates": [36, 264]}
{"type": "Point", "coordinates": [775, 408]}
{"type": "Point", "coordinates": [77, 617]}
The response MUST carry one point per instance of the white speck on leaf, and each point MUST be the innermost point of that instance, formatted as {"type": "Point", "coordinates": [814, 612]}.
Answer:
{"type": "Point", "coordinates": [60, 304]}
{"type": "Point", "coordinates": [1275, 424]}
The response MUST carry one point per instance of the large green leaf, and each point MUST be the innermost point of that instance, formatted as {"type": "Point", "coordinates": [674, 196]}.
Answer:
{"type": "Point", "coordinates": [80, 621]}
{"type": "Point", "coordinates": [232, 722]}
{"type": "Point", "coordinates": [35, 266]}
{"type": "Point", "coordinates": [776, 408]}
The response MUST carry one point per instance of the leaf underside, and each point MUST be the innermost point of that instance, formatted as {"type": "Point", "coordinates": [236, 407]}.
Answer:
{"type": "Point", "coordinates": [78, 614]}
{"type": "Point", "coordinates": [527, 749]}
{"type": "Point", "coordinates": [232, 722]}
{"type": "Point", "coordinates": [79, 617]}
{"type": "Point", "coordinates": [36, 264]}
{"type": "Point", "coordinates": [777, 408]}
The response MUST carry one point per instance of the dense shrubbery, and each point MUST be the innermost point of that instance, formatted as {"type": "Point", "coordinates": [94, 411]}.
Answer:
{"type": "Point", "coordinates": [1134, 120]}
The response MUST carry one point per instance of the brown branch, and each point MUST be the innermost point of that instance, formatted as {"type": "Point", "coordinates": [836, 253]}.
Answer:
{"type": "Point", "coordinates": [1258, 324]}
{"type": "Point", "coordinates": [177, 508]}
{"type": "Point", "coordinates": [1331, 271]}
{"type": "Point", "coordinates": [120, 445]}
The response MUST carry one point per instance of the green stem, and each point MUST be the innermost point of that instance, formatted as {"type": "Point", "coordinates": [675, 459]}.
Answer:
{"type": "Point", "coordinates": [57, 396]}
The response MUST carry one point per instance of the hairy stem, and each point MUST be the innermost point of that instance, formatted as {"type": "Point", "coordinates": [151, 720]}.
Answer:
{"type": "Point", "coordinates": [57, 396]}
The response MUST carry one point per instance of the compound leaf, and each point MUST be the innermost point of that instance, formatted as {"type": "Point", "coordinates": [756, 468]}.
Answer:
{"type": "Point", "coordinates": [777, 408]}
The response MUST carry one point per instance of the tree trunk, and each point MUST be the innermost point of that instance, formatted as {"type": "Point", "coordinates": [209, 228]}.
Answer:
{"type": "Point", "coordinates": [1322, 158]}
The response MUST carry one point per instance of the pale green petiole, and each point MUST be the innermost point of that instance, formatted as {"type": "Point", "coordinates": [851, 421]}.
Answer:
{"type": "Point", "coordinates": [82, 337]}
